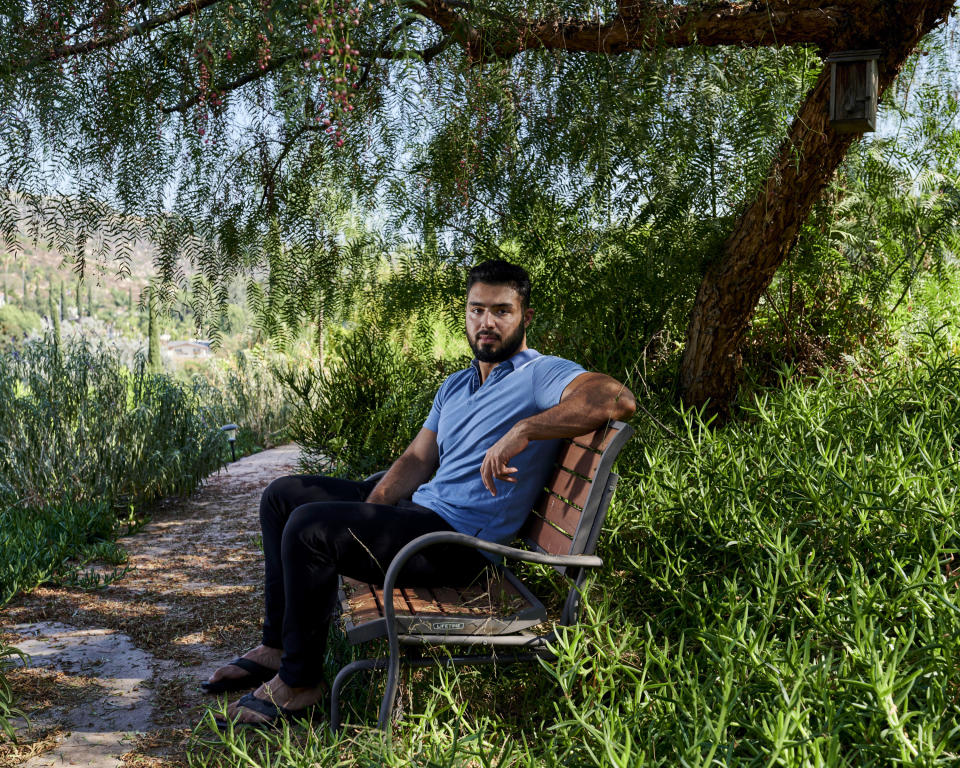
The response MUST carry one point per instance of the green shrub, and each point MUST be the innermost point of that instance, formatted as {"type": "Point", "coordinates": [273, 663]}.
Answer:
{"type": "Point", "coordinates": [357, 415]}
{"type": "Point", "coordinates": [80, 427]}
{"type": "Point", "coordinates": [16, 322]}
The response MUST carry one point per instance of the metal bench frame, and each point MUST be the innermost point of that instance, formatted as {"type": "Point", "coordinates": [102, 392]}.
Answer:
{"type": "Point", "coordinates": [530, 646]}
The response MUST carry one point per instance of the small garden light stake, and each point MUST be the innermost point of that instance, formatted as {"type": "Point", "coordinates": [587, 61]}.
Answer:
{"type": "Point", "coordinates": [231, 430]}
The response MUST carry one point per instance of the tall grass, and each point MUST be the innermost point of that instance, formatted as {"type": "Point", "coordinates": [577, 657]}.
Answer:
{"type": "Point", "coordinates": [244, 390]}
{"type": "Point", "coordinates": [778, 591]}
{"type": "Point", "coordinates": [78, 426]}
{"type": "Point", "coordinates": [88, 442]}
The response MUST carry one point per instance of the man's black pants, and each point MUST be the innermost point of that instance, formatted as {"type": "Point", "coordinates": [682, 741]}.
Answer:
{"type": "Point", "coordinates": [316, 527]}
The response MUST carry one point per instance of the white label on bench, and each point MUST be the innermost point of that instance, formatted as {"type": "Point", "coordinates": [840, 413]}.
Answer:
{"type": "Point", "coordinates": [446, 625]}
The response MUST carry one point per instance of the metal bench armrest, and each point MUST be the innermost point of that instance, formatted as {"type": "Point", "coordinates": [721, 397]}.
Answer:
{"type": "Point", "coordinates": [452, 537]}
{"type": "Point", "coordinates": [449, 537]}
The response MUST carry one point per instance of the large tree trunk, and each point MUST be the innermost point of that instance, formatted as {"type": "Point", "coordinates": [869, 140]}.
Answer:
{"type": "Point", "coordinates": [767, 230]}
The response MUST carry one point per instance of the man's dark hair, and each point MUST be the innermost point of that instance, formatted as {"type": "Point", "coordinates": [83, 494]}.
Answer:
{"type": "Point", "coordinates": [500, 272]}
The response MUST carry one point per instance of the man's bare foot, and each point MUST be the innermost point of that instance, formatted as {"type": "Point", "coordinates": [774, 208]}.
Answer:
{"type": "Point", "coordinates": [262, 654]}
{"type": "Point", "coordinates": [279, 694]}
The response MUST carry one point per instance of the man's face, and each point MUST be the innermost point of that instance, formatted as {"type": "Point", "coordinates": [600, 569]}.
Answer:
{"type": "Point", "coordinates": [496, 322]}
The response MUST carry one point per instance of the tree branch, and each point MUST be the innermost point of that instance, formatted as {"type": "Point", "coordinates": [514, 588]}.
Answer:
{"type": "Point", "coordinates": [100, 19]}
{"type": "Point", "coordinates": [120, 35]}
{"type": "Point", "coordinates": [274, 65]}
{"type": "Point", "coordinates": [645, 23]}
{"type": "Point", "coordinates": [427, 54]}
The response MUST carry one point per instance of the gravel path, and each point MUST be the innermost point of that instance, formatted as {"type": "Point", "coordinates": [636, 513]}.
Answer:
{"type": "Point", "coordinates": [114, 671]}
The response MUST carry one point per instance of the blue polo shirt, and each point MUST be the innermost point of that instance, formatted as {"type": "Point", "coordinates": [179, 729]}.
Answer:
{"type": "Point", "coordinates": [468, 418]}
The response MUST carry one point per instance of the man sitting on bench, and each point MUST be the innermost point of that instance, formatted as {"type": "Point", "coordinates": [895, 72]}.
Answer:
{"type": "Point", "coordinates": [488, 444]}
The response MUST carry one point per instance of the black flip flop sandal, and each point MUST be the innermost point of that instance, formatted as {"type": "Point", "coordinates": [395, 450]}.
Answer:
{"type": "Point", "coordinates": [268, 709]}
{"type": "Point", "coordinates": [256, 674]}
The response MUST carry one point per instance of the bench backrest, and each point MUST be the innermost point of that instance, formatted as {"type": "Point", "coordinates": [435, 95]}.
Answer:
{"type": "Point", "coordinates": [567, 518]}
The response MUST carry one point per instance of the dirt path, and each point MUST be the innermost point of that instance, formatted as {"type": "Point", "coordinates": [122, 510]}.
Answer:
{"type": "Point", "coordinates": [114, 672]}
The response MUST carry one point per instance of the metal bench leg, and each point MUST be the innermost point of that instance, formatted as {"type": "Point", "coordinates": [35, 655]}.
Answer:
{"type": "Point", "coordinates": [392, 665]}
{"type": "Point", "coordinates": [390, 693]}
{"type": "Point", "coordinates": [340, 680]}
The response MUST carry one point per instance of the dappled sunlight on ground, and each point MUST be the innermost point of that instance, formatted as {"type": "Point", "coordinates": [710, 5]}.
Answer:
{"type": "Point", "coordinates": [114, 671]}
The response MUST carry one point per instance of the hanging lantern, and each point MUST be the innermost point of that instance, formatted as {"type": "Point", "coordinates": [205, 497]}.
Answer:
{"type": "Point", "coordinates": [853, 91]}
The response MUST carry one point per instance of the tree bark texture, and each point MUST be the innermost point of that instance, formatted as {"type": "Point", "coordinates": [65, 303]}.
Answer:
{"type": "Point", "coordinates": [641, 24]}
{"type": "Point", "coordinates": [767, 230]}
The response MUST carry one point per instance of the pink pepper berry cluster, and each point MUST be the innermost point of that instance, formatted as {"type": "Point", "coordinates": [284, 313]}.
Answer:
{"type": "Point", "coordinates": [207, 97]}
{"type": "Point", "coordinates": [330, 53]}
{"type": "Point", "coordinates": [263, 50]}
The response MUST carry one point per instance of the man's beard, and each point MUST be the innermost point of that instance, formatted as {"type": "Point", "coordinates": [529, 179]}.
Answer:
{"type": "Point", "coordinates": [507, 349]}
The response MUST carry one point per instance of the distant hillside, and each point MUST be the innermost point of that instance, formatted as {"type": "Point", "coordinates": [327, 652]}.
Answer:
{"type": "Point", "coordinates": [40, 264]}
{"type": "Point", "coordinates": [38, 278]}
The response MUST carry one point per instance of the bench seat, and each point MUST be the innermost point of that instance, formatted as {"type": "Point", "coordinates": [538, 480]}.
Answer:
{"type": "Point", "coordinates": [500, 605]}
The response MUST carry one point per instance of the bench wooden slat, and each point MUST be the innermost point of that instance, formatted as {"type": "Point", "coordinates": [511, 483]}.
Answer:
{"type": "Point", "coordinates": [505, 594]}
{"type": "Point", "coordinates": [569, 486]}
{"type": "Point", "coordinates": [449, 597]}
{"type": "Point", "coordinates": [596, 440]}
{"type": "Point", "coordinates": [363, 604]}
{"type": "Point", "coordinates": [477, 599]}
{"type": "Point", "coordinates": [548, 538]}
{"type": "Point", "coordinates": [497, 595]}
{"type": "Point", "coordinates": [399, 604]}
{"type": "Point", "coordinates": [422, 600]}
{"type": "Point", "coordinates": [562, 515]}
{"type": "Point", "coordinates": [362, 616]}
{"type": "Point", "coordinates": [578, 459]}
{"type": "Point", "coordinates": [483, 598]}
{"type": "Point", "coordinates": [360, 594]}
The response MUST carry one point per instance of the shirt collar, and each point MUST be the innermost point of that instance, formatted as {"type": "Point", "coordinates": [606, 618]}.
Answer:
{"type": "Point", "coordinates": [510, 364]}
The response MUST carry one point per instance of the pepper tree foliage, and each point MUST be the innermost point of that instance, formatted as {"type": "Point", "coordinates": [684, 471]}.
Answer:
{"type": "Point", "coordinates": [891, 214]}
{"type": "Point", "coordinates": [242, 134]}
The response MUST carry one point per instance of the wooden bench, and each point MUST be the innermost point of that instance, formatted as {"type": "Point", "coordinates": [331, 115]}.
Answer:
{"type": "Point", "coordinates": [500, 612]}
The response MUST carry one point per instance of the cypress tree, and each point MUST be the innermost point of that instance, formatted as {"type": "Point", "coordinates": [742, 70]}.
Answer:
{"type": "Point", "coordinates": [153, 334]}
{"type": "Point", "coordinates": [79, 299]}
{"type": "Point", "coordinates": [63, 301]}
{"type": "Point", "coordinates": [23, 275]}
{"type": "Point", "coordinates": [89, 300]}
{"type": "Point", "coordinates": [55, 319]}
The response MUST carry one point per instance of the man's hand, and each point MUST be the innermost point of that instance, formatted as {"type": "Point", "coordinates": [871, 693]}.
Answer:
{"type": "Point", "coordinates": [589, 401]}
{"type": "Point", "coordinates": [496, 462]}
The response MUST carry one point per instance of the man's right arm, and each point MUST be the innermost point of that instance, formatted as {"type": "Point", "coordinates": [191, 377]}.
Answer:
{"type": "Point", "coordinates": [414, 467]}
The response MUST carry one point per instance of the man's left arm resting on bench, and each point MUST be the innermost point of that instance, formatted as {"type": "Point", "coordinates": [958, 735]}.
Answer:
{"type": "Point", "coordinates": [588, 402]}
